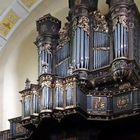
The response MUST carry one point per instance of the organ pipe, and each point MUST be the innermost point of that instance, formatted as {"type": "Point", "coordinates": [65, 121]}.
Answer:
{"type": "Point", "coordinates": [80, 49]}
{"type": "Point", "coordinates": [101, 51]}
{"type": "Point", "coordinates": [120, 37]}
{"type": "Point", "coordinates": [121, 43]}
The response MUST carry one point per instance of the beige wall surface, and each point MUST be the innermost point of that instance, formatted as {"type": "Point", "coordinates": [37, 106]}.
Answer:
{"type": "Point", "coordinates": [18, 59]}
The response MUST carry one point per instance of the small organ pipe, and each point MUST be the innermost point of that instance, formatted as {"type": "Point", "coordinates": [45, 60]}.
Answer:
{"type": "Point", "coordinates": [122, 45]}
{"type": "Point", "coordinates": [86, 50]}
{"type": "Point", "coordinates": [119, 41]}
{"type": "Point", "coordinates": [47, 98]}
{"type": "Point", "coordinates": [82, 48]}
{"type": "Point", "coordinates": [78, 48]}
{"type": "Point", "coordinates": [125, 42]}
{"type": "Point", "coordinates": [74, 50]}
{"type": "Point", "coordinates": [116, 44]}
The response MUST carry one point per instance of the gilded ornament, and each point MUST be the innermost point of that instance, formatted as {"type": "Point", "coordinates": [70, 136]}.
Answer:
{"type": "Point", "coordinates": [99, 104]}
{"type": "Point", "coordinates": [7, 24]}
{"type": "Point", "coordinates": [100, 22]}
{"type": "Point", "coordinates": [122, 102]}
{"type": "Point", "coordinates": [83, 22]}
{"type": "Point", "coordinates": [122, 20]}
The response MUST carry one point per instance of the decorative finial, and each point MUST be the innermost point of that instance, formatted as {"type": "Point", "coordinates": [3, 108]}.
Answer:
{"type": "Point", "coordinates": [27, 83]}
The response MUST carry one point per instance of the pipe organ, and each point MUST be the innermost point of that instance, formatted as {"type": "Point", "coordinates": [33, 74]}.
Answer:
{"type": "Point", "coordinates": [90, 67]}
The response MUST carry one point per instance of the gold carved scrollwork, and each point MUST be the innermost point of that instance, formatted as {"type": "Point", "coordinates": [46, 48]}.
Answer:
{"type": "Point", "coordinates": [48, 47]}
{"type": "Point", "coordinates": [125, 86]}
{"type": "Point", "coordinates": [46, 80]}
{"type": "Point", "coordinates": [59, 83]}
{"type": "Point", "coordinates": [47, 83]}
{"type": "Point", "coordinates": [69, 83]}
{"type": "Point", "coordinates": [99, 104]}
{"type": "Point", "coordinates": [122, 20]}
{"type": "Point", "coordinates": [100, 22]}
{"type": "Point", "coordinates": [83, 22]}
{"type": "Point", "coordinates": [122, 102]}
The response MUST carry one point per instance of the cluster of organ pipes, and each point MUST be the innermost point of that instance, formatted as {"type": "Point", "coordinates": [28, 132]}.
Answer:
{"type": "Point", "coordinates": [63, 59]}
{"type": "Point", "coordinates": [46, 98]}
{"type": "Point", "coordinates": [62, 53]}
{"type": "Point", "coordinates": [59, 95]}
{"type": "Point", "coordinates": [80, 58]}
{"type": "Point", "coordinates": [120, 41]}
{"type": "Point", "coordinates": [101, 50]}
{"type": "Point", "coordinates": [45, 60]}
{"type": "Point", "coordinates": [30, 104]}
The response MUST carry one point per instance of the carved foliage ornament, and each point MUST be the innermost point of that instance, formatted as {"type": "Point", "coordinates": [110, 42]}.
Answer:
{"type": "Point", "coordinates": [122, 102]}
{"type": "Point", "coordinates": [122, 20]}
{"type": "Point", "coordinates": [48, 47]}
{"type": "Point", "coordinates": [45, 46]}
{"type": "Point", "coordinates": [121, 69]}
{"type": "Point", "coordinates": [82, 22]}
{"type": "Point", "coordinates": [59, 83]}
{"type": "Point", "coordinates": [99, 103]}
{"type": "Point", "coordinates": [100, 22]}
